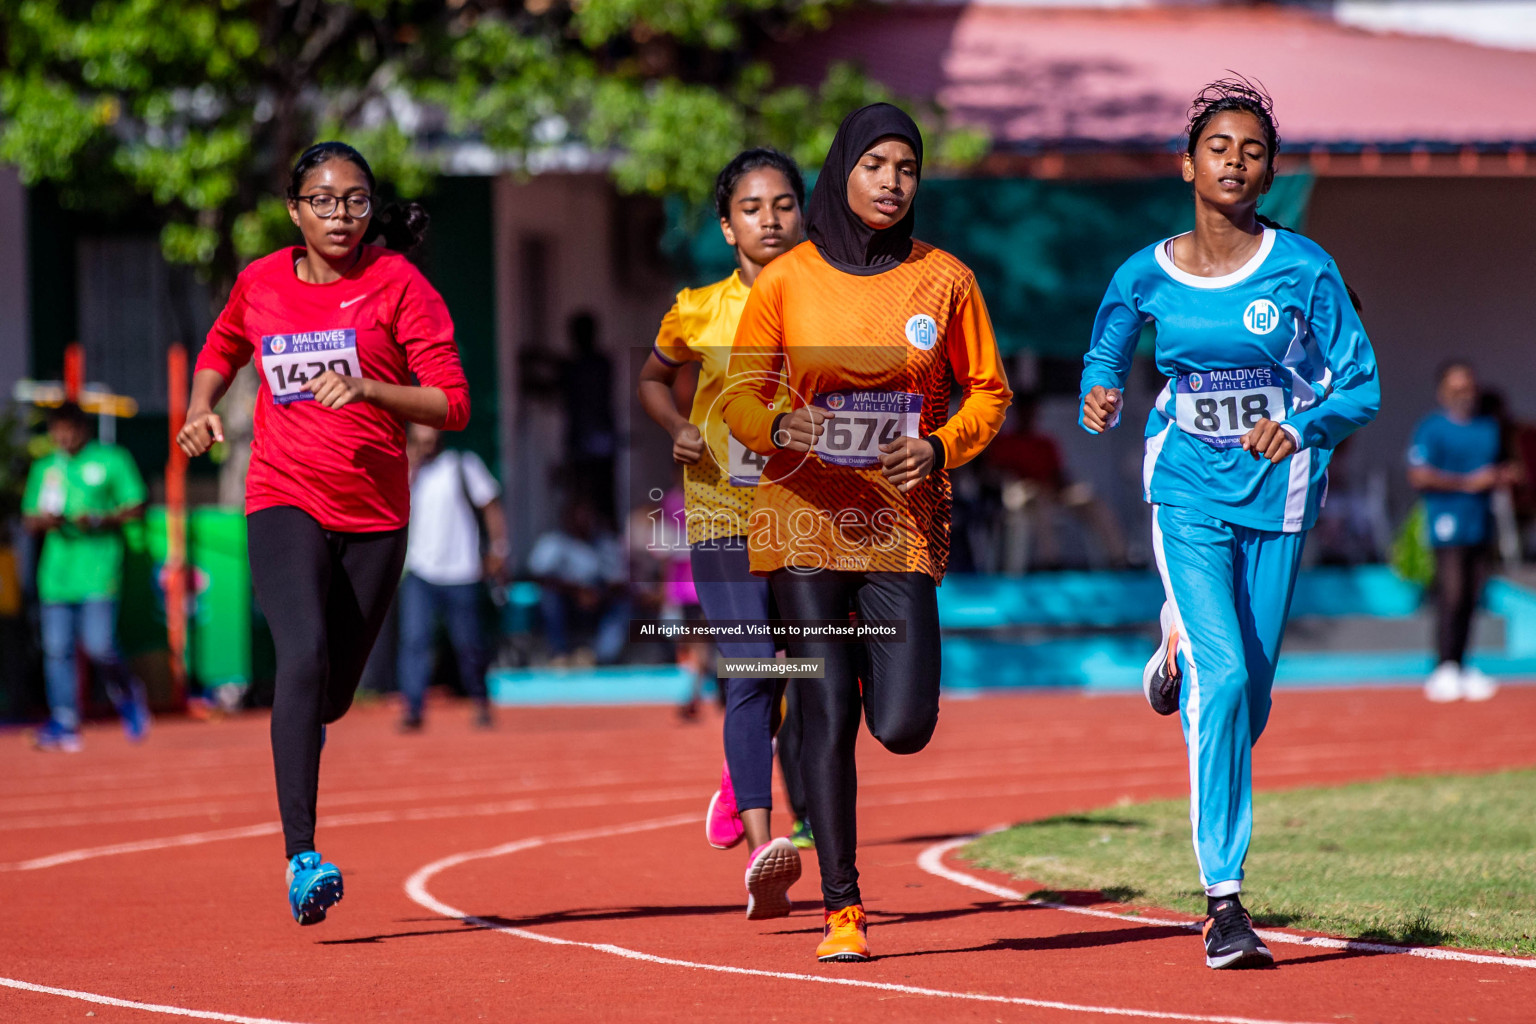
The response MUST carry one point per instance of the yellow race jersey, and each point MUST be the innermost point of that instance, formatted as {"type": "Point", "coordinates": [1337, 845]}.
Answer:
{"type": "Point", "coordinates": [701, 327]}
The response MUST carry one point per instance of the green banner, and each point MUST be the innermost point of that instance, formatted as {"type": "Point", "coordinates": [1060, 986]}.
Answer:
{"type": "Point", "coordinates": [1043, 251]}
{"type": "Point", "coordinates": [218, 597]}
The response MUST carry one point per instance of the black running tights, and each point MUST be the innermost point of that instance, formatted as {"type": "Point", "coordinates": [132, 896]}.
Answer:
{"type": "Point", "coordinates": [789, 745]}
{"type": "Point", "coordinates": [1461, 571]}
{"type": "Point", "coordinates": [899, 698]}
{"type": "Point", "coordinates": [325, 595]}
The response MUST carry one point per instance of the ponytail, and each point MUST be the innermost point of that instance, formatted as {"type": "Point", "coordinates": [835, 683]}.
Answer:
{"type": "Point", "coordinates": [397, 226]}
{"type": "Point", "coordinates": [1274, 225]}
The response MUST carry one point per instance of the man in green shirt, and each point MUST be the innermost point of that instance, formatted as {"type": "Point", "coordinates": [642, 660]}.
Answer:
{"type": "Point", "coordinates": [77, 499]}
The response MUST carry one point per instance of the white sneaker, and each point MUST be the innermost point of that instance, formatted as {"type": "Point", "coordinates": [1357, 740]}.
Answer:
{"type": "Point", "coordinates": [1160, 682]}
{"type": "Point", "coordinates": [774, 867]}
{"type": "Point", "coordinates": [1444, 683]}
{"type": "Point", "coordinates": [1476, 686]}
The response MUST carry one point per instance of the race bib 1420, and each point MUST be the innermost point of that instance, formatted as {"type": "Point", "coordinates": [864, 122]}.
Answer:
{"type": "Point", "coordinates": [290, 361]}
{"type": "Point", "coordinates": [859, 422]}
{"type": "Point", "coordinates": [1220, 406]}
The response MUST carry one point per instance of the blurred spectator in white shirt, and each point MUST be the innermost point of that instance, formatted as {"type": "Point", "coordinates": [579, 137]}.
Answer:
{"type": "Point", "coordinates": [447, 563]}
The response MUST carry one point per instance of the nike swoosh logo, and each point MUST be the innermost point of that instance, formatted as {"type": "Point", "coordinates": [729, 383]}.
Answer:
{"type": "Point", "coordinates": [349, 302]}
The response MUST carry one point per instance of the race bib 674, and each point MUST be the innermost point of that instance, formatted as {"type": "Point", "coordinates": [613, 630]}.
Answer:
{"type": "Point", "coordinates": [859, 422]}
{"type": "Point", "coordinates": [290, 361]}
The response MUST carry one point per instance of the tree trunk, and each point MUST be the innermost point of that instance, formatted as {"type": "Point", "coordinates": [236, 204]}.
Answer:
{"type": "Point", "coordinates": [236, 410]}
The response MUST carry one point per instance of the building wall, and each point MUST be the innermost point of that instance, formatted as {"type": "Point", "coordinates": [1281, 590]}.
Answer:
{"type": "Point", "coordinates": [567, 243]}
{"type": "Point", "coordinates": [15, 322]}
{"type": "Point", "coordinates": [459, 258]}
{"type": "Point", "coordinates": [1444, 267]}
{"type": "Point", "coordinates": [60, 305]}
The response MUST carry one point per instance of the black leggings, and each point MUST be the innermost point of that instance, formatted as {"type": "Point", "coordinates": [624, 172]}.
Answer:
{"type": "Point", "coordinates": [325, 595]}
{"type": "Point", "coordinates": [790, 751]}
{"type": "Point", "coordinates": [1461, 571]}
{"type": "Point", "coordinates": [899, 697]}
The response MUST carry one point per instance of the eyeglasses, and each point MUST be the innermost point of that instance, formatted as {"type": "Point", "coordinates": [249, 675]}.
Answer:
{"type": "Point", "coordinates": [325, 205]}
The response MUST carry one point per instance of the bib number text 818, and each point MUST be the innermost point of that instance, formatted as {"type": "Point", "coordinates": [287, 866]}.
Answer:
{"type": "Point", "coordinates": [1210, 412]}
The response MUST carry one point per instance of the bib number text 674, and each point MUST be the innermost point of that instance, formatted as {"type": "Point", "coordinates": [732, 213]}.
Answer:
{"type": "Point", "coordinates": [858, 433]}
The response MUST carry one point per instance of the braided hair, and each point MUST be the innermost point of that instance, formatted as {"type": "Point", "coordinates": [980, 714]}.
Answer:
{"type": "Point", "coordinates": [1235, 93]}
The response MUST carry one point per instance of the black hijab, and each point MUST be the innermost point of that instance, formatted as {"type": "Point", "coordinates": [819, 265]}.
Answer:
{"type": "Point", "coordinates": [841, 237]}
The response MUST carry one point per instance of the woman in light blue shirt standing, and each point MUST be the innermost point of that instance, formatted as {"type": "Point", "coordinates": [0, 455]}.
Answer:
{"type": "Point", "coordinates": [1454, 464]}
{"type": "Point", "coordinates": [1268, 369]}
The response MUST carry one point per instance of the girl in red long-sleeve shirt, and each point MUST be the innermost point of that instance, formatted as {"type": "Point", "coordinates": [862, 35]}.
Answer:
{"type": "Point", "coordinates": [337, 327]}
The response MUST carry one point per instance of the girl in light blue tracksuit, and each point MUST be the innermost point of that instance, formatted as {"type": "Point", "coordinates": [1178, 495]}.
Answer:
{"type": "Point", "coordinates": [1268, 369]}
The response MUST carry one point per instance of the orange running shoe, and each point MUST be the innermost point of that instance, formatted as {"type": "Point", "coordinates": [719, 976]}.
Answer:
{"type": "Point", "coordinates": [846, 937]}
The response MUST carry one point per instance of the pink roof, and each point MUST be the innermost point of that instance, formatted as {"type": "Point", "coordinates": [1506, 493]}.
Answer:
{"type": "Point", "coordinates": [1038, 77]}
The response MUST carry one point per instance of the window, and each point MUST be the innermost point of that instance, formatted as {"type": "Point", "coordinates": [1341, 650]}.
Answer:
{"type": "Point", "coordinates": [133, 305]}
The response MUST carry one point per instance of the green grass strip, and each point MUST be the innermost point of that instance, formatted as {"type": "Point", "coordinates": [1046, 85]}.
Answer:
{"type": "Point", "coordinates": [1445, 861]}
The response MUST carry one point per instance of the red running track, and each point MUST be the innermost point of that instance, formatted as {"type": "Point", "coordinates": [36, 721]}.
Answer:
{"type": "Point", "coordinates": [555, 870]}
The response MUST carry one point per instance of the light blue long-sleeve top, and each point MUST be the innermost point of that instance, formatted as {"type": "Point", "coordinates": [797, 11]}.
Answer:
{"type": "Point", "coordinates": [1277, 338]}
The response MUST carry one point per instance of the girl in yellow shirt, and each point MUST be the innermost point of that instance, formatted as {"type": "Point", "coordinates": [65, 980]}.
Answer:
{"type": "Point", "coordinates": [758, 197]}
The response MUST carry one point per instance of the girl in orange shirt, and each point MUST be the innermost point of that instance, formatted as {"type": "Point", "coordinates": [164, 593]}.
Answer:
{"type": "Point", "coordinates": [851, 517]}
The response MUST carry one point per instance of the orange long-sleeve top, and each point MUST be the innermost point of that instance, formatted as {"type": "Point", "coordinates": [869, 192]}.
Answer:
{"type": "Point", "coordinates": [863, 348]}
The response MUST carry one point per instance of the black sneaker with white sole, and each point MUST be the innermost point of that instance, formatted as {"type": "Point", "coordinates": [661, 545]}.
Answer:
{"type": "Point", "coordinates": [1160, 680]}
{"type": "Point", "coordinates": [1230, 941]}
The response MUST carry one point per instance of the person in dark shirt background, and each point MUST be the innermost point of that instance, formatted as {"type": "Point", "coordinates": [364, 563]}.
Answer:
{"type": "Point", "coordinates": [1036, 488]}
{"type": "Point", "coordinates": [1454, 463]}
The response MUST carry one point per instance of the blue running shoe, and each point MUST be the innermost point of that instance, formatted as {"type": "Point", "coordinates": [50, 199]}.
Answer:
{"type": "Point", "coordinates": [313, 887]}
{"type": "Point", "coordinates": [135, 712]}
{"type": "Point", "coordinates": [54, 736]}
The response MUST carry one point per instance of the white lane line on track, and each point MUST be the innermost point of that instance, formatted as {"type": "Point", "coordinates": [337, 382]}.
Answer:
{"type": "Point", "coordinates": [490, 809]}
{"type": "Point", "coordinates": [931, 860]}
{"type": "Point", "coordinates": [145, 845]}
{"type": "Point", "coordinates": [181, 808]}
{"type": "Point", "coordinates": [129, 1004]}
{"type": "Point", "coordinates": [1105, 777]}
{"type": "Point", "coordinates": [367, 817]}
{"type": "Point", "coordinates": [267, 828]}
{"type": "Point", "coordinates": [416, 889]}
{"type": "Point", "coordinates": [76, 809]}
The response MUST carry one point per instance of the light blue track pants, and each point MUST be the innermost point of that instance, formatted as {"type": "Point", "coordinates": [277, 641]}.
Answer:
{"type": "Point", "coordinates": [1229, 589]}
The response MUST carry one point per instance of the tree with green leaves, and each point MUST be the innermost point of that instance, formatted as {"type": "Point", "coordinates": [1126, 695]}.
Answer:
{"type": "Point", "coordinates": [196, 108]}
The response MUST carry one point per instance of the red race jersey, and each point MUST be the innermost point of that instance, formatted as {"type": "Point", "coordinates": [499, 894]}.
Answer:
{"type": "Point", "coordinates": [345, 467]}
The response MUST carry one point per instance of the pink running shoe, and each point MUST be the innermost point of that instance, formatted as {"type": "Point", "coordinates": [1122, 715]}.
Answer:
{"type": "Point", "coordinates": [722, 825]}
{"type": "Point", "coordinates": [775, 866]}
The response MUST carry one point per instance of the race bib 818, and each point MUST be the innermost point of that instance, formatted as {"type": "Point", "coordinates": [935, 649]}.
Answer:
{"type": "Point", "coordinates": [1220, 406]}
{"type": "Point", "coordinates": [289, 361]}
{"type": "Point", "coordinates": [859, 422]}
